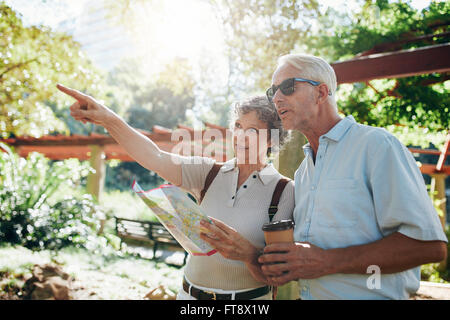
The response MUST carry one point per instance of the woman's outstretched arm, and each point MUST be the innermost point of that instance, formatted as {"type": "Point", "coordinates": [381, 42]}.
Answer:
{"type": "Point", "coordinates": [139, 147]}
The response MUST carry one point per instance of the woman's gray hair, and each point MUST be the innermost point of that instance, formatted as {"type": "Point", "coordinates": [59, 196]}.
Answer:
{"type": "Point", "coordinates": [267, 113]}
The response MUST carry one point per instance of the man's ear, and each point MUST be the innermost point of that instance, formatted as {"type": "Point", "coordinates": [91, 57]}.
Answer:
{"type": "Point", "coordinates": [323, 93]}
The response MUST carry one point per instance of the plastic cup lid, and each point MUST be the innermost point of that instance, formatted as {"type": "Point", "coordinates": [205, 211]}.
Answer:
{"type": "Point", "coordinates": [278, 225]}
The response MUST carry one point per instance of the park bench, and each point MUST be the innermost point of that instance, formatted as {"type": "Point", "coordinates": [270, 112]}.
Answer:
{"type": "Point", "coordinates": [146, 231]}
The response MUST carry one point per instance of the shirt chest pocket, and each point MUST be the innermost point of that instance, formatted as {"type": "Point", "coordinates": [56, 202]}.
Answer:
{"type": "Point", "coordinates": [334, 204]}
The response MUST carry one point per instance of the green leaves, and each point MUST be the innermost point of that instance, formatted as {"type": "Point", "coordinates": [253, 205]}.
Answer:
{"type": "Point", "coordinates": [415, 113]}
{"type": "Point", "coordinates": [258, 32]}
{"type": "Point", "coordinates": [162, 100]}
{"type": "Point", "coordinates": [32, 60]}
{"type": "Point", "coordinates": [38, 208]}
{"type": "Point", "coordinates": [406, 106]}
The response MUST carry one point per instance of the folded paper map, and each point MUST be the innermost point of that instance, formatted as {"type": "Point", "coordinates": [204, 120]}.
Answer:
{"type": "Point", "coordinates": [179, 215]}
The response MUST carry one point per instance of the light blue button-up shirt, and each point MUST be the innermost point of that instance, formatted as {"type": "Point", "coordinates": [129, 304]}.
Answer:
{"type": "Point", "coordinates": [363, 186]}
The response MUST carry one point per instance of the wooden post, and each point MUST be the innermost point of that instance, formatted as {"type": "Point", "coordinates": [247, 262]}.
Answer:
{"type": "Point", "coordinates": [95, 181]}
{"type": "Point", "coordinates": [438, 187]}
{"type": "Point", "coordinates": [287, 162]}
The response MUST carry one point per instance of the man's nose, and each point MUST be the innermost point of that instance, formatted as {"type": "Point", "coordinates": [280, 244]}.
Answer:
{"type": "Point", "coordinates": [277, 97]}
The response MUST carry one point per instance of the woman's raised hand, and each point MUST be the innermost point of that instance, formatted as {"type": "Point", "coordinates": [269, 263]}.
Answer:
{"type": "Point", "coordinates": [86, 108]}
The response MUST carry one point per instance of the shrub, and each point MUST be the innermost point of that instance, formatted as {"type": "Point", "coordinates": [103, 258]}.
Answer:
{"type": "Point", "coordinates": [35, 210]}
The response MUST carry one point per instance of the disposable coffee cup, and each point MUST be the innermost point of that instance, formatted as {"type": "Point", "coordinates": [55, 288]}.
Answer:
{"type": "Point", "coordinates": [279, 231]}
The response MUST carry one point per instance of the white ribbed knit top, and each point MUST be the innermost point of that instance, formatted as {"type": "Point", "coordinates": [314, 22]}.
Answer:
{"type": "Point", "coordinates": [246, 210]}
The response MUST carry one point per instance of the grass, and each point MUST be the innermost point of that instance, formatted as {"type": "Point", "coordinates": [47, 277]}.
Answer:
{"type": "Point", "coordinates": [97, 277]}
{"type": "Point", "coordinates": [126, 205]}
{"type": "Point", "coordinates": [108, 275]}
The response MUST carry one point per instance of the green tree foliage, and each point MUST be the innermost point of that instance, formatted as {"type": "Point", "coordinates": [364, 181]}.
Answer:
{"type": "Point", "coordinates": [258, 32]}
{"type": "Point", "coordinates": [344, 35]}
{"type": "Point", "coordinates": [32, 60]}
{"type": "Point", "coordinates": [415, 108]}
{"type": "Point", "coordinates": [147, 102]}
{"type": "Point", "coordinates": [121, 176]}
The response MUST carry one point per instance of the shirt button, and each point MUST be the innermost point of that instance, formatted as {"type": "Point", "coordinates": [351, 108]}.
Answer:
{"type": "Point", "coordinates": [313, 188]}
{"type": "Point", "coordinates": [245, 187]}
{"type": "Point", "coordinates": [254, 176]}
{"type": "Point", "coordinates": [232, 197]}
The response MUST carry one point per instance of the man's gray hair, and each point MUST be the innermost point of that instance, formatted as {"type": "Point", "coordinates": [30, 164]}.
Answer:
{"type": "Point", "coordinates": [267, 113]}
{"type": "Point", "coordinates": [313, 68]}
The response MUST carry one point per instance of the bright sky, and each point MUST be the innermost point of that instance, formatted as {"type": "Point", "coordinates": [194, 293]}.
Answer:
{"type": "Point", "coordinates": [181, 28]}
{"type": "Point", "coordinates": [49, 12]}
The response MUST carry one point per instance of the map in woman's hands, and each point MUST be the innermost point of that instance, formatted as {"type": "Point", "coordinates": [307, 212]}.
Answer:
{"type": "Point", "coordinates": [179, 215]}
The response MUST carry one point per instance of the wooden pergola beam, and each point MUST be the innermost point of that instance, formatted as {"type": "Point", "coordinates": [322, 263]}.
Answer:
{"type": "Point", "coordinates": [397, 45]}
{"type": "Point", "coordinates": [159, 135]}
{"type": "Point", "coordinates": [427, 151]}
{"type": "Point", "coordinates": [396, 64]}
{"type": "Point", "coordinates": [79, 140]}
{"type": "Point", "coordinates": [430, 169]}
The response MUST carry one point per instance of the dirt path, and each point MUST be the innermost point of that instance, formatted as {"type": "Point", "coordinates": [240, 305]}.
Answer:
{"type": "Point", "coordinates": [432, 291]}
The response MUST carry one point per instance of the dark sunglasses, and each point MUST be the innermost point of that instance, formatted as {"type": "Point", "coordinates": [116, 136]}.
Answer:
{"type": "Point", "coordinates": [287, 87]}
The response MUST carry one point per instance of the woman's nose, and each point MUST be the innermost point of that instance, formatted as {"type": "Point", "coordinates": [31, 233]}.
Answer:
{"type": "Point", "coordinates": [241, 137]}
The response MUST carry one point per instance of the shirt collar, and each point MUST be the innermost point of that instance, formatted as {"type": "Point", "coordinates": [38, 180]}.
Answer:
{"type": "Point", "coordinates": [229, 165]}
{"type": "Point", "coordinates": [307, 150]}
{"type": "Point", "coordinates": [335, 134]}
{"type": "Point", "coordinates": [267, 174]}
{"type": "Point", "coordinates": [338, 131]}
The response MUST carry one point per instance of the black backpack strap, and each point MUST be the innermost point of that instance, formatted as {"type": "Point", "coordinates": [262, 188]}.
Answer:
{"type": "Point", "coordinates": [209, 179]}
{"type": "Point", "coordinates": [276, 196]}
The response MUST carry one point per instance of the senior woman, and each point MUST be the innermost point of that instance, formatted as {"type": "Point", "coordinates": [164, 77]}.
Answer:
{"type": "Point", "coordinates": [237, 199]}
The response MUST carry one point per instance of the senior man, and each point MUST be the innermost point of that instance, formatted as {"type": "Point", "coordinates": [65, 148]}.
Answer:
{"type": "Point", "coordinates": [361, 206]}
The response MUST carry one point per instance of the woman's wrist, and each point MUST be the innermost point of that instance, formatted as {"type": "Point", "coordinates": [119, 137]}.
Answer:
{"type": "Point", "coordinates": [253, 257]}
{"type": "Point", "coordinates": [255, 270]}
{"type": "Point", "coordinates": [111, 121]}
